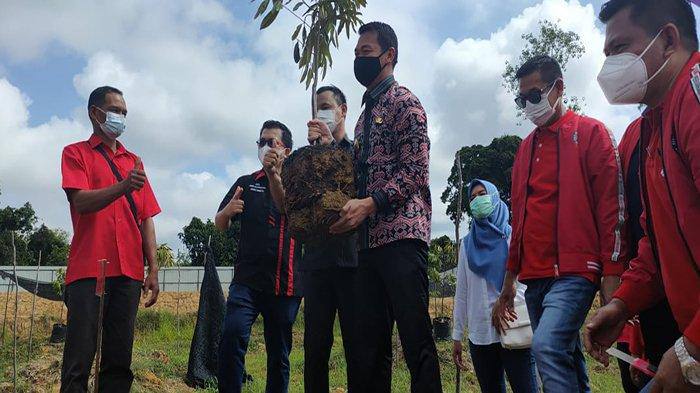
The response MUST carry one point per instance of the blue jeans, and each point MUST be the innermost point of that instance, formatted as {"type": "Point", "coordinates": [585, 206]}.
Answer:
{"type": "Point", "coordinates": [558, 308]}
{"type": "Point", "coordinates": [490, 361]}
{"type": "Point", "coordinates": [242, 309]}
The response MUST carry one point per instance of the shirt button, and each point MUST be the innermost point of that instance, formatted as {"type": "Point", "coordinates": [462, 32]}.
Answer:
{"type": "Point", "coordinates": [537, 160]}
{"type": "Point", "coordinates": [540, 145]}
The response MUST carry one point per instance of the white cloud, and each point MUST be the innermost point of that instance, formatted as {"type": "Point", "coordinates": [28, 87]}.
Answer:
{"type": "Point", "coordinates": [199, 81]}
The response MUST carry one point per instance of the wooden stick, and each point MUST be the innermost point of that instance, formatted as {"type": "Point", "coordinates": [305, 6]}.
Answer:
{"type": "Point", "coordinates": [458, 221]}
{"type": "Point", "coordinates": [7, 301]}
{"type": "Point", "coordinates": [100, 292]}
{"type": "Point", "coordinates": [36, 289]}
{"type": "Point", "coordinates": [14, 329]}
{"type": "Point", "coordinates": [177, 305]}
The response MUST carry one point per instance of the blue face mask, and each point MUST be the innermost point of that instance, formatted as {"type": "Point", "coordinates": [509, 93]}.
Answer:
{"type": "Point", "coordinates": [114, 125]}
{"type": "Point", "coordinates": [482, 207]}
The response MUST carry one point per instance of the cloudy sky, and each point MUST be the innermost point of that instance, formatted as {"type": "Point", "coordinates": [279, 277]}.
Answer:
{"type": "Point", "coordinates": [199, 79]}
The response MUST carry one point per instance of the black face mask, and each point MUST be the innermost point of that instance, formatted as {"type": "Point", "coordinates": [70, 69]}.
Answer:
{"type": "Point", "coordinates": [368, 68]}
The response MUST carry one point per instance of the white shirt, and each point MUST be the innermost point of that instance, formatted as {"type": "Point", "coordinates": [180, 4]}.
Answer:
{"type": "Point", "coordinates": [474, 300]}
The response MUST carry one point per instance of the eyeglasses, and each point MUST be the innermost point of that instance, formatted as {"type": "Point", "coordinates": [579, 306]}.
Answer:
{"type": "Point", "coordinates": [533, 96]}
{"type": "Point", "coordinates": [269, 142]}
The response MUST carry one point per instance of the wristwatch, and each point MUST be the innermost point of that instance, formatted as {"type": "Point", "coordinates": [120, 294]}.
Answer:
{"type": "Point", "coordinates": [689, 366]}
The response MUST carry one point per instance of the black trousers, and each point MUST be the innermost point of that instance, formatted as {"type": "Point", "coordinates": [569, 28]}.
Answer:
{"type": "Point", "coordinates": [393, 286]}
{"type": "Point", "coordinates": [327, 291]}
{"type": "Point", "coordinates": [660, 332]}
{"type": "Point", "coordinates": [120, 305]}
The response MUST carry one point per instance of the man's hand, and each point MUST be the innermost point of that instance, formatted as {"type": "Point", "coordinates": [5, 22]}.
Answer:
{"type": "Point", "coordinates": [504, 309]}
{"type": "Point", "coordinates": [457, 354]}
{"type": "Point", "coordinates": [235, 205]}
{"type": "Point", "coordinates": [353, 214]}
{"type": "Point", "coordinates": [319, 133]}
{"type": "Point", "coordinates": [272, 162]}
{"type": "Point", "coordinates": [669, 378]}
{"type": "Point", "coordinates": [608, 286]}
{"type": "Point", "coordinates": [136, 178]}
{"type": "Point", "coordinates": [151, 284]}
{"type": "Point", "coordinates": [604, 328]}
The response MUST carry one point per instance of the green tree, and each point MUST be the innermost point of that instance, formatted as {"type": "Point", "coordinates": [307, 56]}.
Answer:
{"type": "Point", "coordinates": [164, 255]}
{"type": "Point", "coordinates": [550, 40]}
{"type": "Point", "coordinates": [19, 221]}
{"type": "Point", "coordinates": [195, 236]}
{"type": "Point", "coordinates": [322, 22]}
{"type": "Point", "coordinates": [53, 245]}
{"type": "Point", "coordinates": [493, 163]}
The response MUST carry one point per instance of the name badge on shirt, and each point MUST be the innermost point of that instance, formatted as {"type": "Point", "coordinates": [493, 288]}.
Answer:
{"type": "Point", "coordinates": [695, 81]}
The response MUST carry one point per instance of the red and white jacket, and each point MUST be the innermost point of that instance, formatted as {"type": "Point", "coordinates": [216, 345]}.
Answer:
{"type": "Point", "coordinates": [669, 256]}
{"type": "Point", "coordinates": [591, 201]}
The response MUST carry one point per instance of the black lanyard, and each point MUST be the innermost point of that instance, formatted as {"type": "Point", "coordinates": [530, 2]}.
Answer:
{"type": "Point", "coordinates": [115, 171]}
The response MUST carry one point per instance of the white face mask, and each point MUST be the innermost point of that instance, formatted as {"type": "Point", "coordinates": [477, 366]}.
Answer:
{"type": "Point", "coordinates": [539, 114]}
{"type": "Point", "coordinates": [328, 116]}
{"type": "Point", "coordinates": [262, 151]}
{"type": "Point", "coordinates": [623, 77]}
{"type": "Point", "coordinates": [114, 125]}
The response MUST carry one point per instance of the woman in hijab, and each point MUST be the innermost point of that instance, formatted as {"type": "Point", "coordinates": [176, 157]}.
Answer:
{"type": "Point", "coordinates": [480, 273]}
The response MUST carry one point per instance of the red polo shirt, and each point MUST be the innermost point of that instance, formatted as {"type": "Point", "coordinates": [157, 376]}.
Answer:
{"type": "Point", "coordinates": [540, 256]}
{"type": "Point", "coordinates": [112, 232]}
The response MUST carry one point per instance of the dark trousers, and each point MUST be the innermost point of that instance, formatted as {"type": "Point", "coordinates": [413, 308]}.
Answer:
{"type": "Point", "coordinates": [120, 305]}
{"type": "Point", "coordinates": [491, 361]}
{"type": "Point", "coordinates": [393, 286]}
{"type": "Point", "coordinates": [325, 292]}
{"type": "Point", "coordinates": [660, 332]}
{"type": "Point", "coordinates": [243, 306]}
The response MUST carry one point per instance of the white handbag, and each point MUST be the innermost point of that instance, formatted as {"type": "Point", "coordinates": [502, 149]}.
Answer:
{"type": "Point", "coordinates": [518, 335]}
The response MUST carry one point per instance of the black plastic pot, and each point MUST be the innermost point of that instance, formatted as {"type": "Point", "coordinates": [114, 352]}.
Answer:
{"type": "Point", "coordinates": [58, 333]}
{"type": "Point", "coordinates": [441, 328]}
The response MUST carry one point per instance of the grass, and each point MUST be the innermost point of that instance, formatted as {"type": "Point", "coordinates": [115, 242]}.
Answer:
{"type": "Point", "coordinates": [161, 353]}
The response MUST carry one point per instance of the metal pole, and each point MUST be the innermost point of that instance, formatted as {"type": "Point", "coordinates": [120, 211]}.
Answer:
{"type": "Point", "coordinates": [36, 289]}
{"type": "Point", "coordinates": [100, 292]}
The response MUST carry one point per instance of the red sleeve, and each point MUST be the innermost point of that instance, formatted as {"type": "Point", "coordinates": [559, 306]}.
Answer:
{"type": "Point", "coordinates": [605, 177]}
{"type": "Point", "coordinates": [641, 284]}
{"type": "Point", "coordinates": [688, 134]}
{"type": "Point", "coordinates": [73, 169]}
{"type": "Point", "coordinates": [514, 255]}
{"type": "Point", "coordinates": [150, 207]}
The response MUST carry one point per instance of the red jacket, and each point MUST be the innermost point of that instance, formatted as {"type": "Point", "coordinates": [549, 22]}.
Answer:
{"type": "Point", "coordinates": [670, 183]}
{"type": "Point", "coordinates": [591, 210]}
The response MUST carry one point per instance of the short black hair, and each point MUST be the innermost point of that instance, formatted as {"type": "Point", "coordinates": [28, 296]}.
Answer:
{"type": "Point", "coordinates": [546, 65]}
{"type": "Point", "coordinates": [286, 134]}
{"type": "Point", "coordinates": [385, 36]}
{"type": "Point", "coordinates": [651, 15]}
{"type": "Point", "coordinates": [337, 93]}
{"type": "Point", "coordinates": [97, 97]}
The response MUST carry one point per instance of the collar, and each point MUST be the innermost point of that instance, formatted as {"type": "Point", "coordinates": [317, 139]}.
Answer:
{"type": "Point", "coordinates": [554, 127]}
{"type": "Point", "coordinates": [259, 175]}
{"type": "Point", "coordinates": [378, 90]}
{"type": "Point", "coordinates": [345, 142]}
{"type": "Point", "coordinates": [95, 141]}
{"type": "Point", "coordinates": [678, 84]}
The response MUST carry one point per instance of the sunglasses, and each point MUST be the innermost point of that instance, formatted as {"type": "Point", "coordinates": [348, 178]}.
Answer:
{"type": "Point", "coordinates": [269, 142]}
{"type": "Point", "coordinates": [533, 96]}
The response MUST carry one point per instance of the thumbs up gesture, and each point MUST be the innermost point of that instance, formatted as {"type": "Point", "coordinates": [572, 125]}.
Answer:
{"type": "Point", "coordinates": [236, 204]}
{"type": "Point", "coordinates": [136, 178]}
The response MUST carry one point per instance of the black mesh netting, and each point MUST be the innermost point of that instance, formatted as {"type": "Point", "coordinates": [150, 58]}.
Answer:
{"type": "Point", "coordinates": [44, 290]}
{"type": "Point", "coordinates": [204, 351]}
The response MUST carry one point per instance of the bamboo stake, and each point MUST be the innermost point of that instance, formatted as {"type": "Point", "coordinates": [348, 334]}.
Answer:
{"type": "Point", "coordinates": [177, 305]}
{"type": "Point", "coordinates": [36, 289]}
{"type": "Point", "coordinates": [14, 328]}
{"type": "Point", "coordinates": [100, 292]}
{"type": "Point", "coordinates": [458, 221]}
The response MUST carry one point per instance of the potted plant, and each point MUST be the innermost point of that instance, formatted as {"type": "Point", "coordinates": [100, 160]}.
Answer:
{"type": "Point", "coordinates": [442, 285]}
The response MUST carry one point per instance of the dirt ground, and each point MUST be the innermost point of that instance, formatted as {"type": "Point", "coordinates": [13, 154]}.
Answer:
{"type": "Point", "coordinates": [49, 312]}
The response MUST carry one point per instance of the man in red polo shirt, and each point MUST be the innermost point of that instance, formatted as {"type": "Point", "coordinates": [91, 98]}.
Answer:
{"type": "Point", "coordinates": [653, 59]}
{"type": "Point", "coordinates": [568, 214]}
{"type": "Point", "coordinates": [111, 206]}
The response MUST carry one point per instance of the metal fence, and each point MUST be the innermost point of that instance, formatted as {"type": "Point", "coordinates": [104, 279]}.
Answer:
{"type": "Point", "coordinates": [171, 279]}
